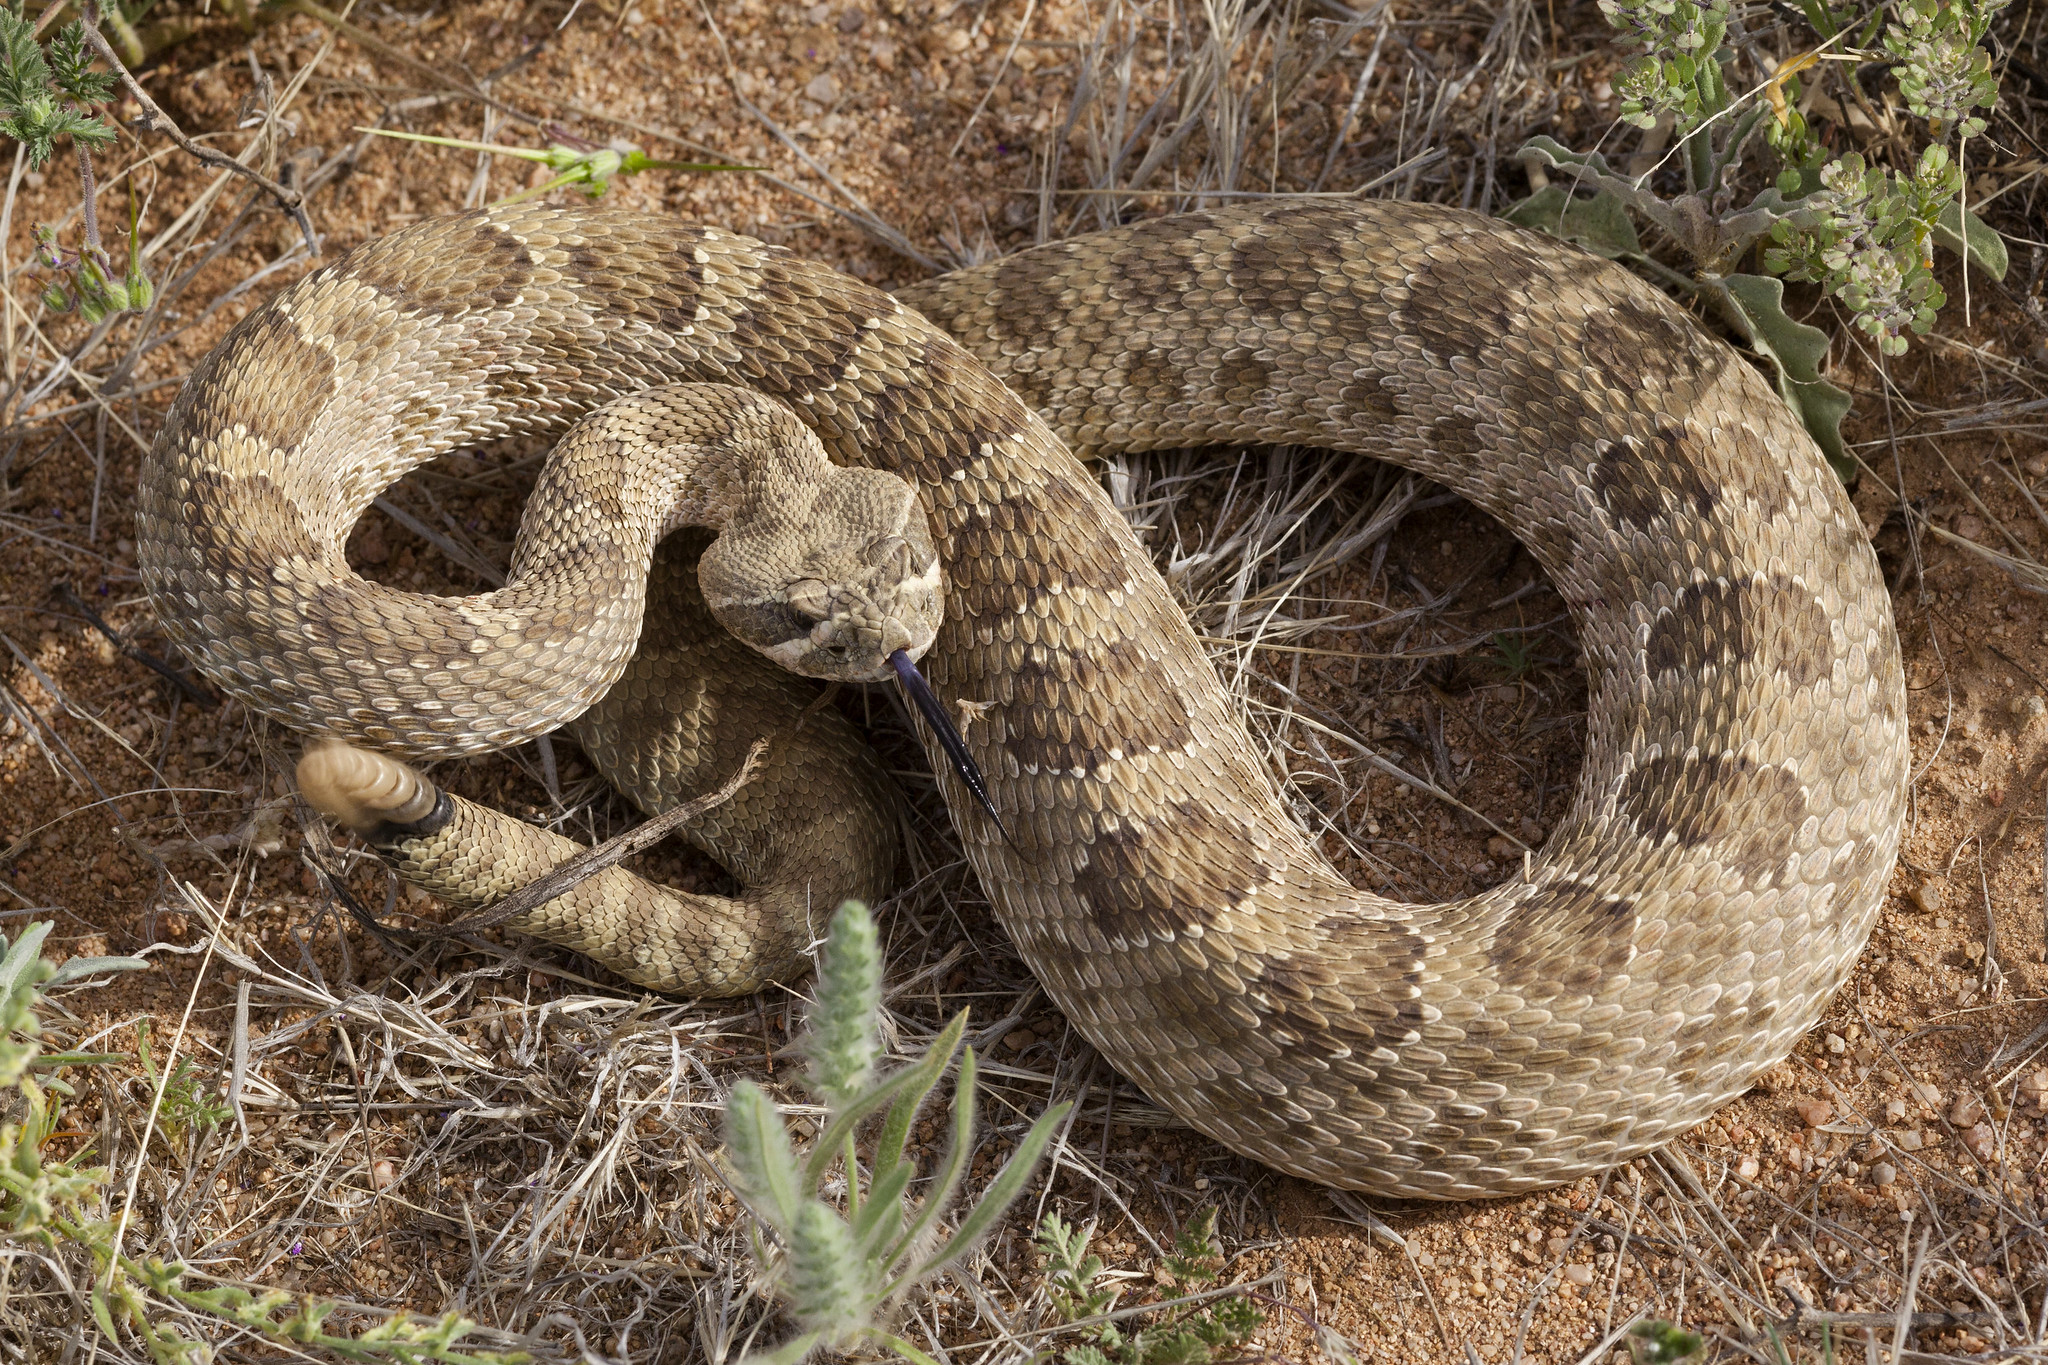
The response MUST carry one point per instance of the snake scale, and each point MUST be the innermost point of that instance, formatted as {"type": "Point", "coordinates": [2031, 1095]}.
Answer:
{"type": "Point", "coordinates": [1735, 820]}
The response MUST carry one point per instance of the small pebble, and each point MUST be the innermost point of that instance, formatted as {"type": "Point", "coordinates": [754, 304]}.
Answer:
{"type": "Point", "coordinates": [1968, 1109]}
{"type": "Point", "coordinates": [1883, 1174]}
{"type": "Point", "coordinates": [1982, 1140]}
{"type": "Point", "coordinates": [2028, 707]}
{"type": "Point", "coordinates": [1926, 1094]}
{"type": "Point", "coordinates": [1018, 1039]}
{"type": "Point", "coordinates": [1836, 1044]}
{"type": "Point", "coordinates": [822, 88]}
{"type": "Point", "coordinates": [1580, 1275]}
{"type": "Point", "coordinates": [1501, 847]}
{"type": "Point", "coordinates": [1909, 1140]}
{"type": "Point", "coordinates": [383, 1174]}
{"type": "Point", "coordinates": [1927, 897]}
{"type": "Point", "coordinates": [1748, 1169]}
{"type": "Point", "coordinates": [1813, 1113]}
{"type": "Point", "coordinates": [1895, 1111]}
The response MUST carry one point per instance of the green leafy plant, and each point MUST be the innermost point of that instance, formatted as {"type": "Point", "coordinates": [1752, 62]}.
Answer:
{"type": "Point", "coordinates": [1184, 1334]}
{"type": "Point", "coordinates": [840, 1269]}
{"type": "Point", "coordinates": [50, 92]}
{"type": "Point", "coordinates": [188, 1103]}
{"type": "Point", "coordinates": [1862, 231]}
{"type": "Point", "coordinates": [50, 1202]}
{"type": "Point", "coordinates": [1514, 654]}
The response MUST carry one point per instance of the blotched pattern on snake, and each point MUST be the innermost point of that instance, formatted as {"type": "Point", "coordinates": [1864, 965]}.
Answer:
{"type": "Point", "coordinates": [1735, 821]}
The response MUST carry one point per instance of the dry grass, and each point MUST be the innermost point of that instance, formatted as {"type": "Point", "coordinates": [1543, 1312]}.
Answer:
{"type": "Point", "coordinates": [430, 1124]}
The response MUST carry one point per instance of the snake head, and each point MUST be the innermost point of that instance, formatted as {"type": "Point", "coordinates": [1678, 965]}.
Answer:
{"type": "Point", "coordinates": [833, 591]}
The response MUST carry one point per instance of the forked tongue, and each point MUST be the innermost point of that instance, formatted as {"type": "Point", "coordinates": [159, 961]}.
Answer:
{"type": "Point", "coordinates": [935, 716]}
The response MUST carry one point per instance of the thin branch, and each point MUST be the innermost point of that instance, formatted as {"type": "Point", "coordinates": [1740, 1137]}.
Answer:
{"type": "Point", "coordinates": [155, 120]}
{"type": "Point", "coordinates": [589, 863]}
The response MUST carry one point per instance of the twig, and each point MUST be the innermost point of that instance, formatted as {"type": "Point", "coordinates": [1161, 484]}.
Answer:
{"type": "Point", "coordinates": [157, 121]}
{"type": "Point", "coordinates": [439, 75]}
{"type": "Point", "coordinates": [197, 695]}
{"type": "Point", "coordinates": [541, 890]}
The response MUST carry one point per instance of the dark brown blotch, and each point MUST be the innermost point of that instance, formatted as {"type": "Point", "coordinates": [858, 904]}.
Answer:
{"type": "Point", "coordinates": [265, 378]}
{"type": "Point", "coordinates": [1629, 342]}
{"type": "Point", "coordinates": [1140, 886]}
{"type": "Point", "coordinates": [812, 343]}
{"type": "Point", "coordinates": [1701, 799]}
{"type": "Point", "coordinates": [1636, 488]}
{"type": "Point", "coordinates": [1016, 546]}
{"type": "Point", "coordinates": [1456, 435]}
{"type": "Point", "coordinates": [245, 526]}
{"type": "Point", "coordinates": [1800, 648]}
{"type": "Point", "coordinates": [1275, 274]}
{"type": "Point", "coordinates": [1456, 311]}
{"type": "Point", "coordinates": [1049, 729]}
{"type": "Point", "coordinates": [470, 264]}
{"type": "Point", "coordinates": [1704, 627]}
{"type": "Point", "coordinates": [1241, 376]}
{"type": "Point", "coordinates": [1769, 627]}
{"type": "Point", "coordinates": [1564, 942]}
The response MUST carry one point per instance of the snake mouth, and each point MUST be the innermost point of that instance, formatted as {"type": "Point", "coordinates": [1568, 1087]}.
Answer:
{"type": "Point", "coordinates": [950, 739]}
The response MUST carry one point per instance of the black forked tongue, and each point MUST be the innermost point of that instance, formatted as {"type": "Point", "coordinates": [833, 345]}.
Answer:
{"type": "Point", "coordinates": [949, 738]}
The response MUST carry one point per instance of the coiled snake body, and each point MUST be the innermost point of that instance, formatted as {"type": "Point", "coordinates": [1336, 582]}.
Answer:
{"type": "Point", "coordinates": [1739, 807]}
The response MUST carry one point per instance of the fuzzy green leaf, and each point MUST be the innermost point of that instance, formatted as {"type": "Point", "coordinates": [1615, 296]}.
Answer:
{"type": "Point", "coordinates": [1962, 231]}
{"type": "Point", "coordinates": [788, 1353]}
{"type": "Point", "coordinates": [1755, 305]}
{"type": "Point", "coordinates": [763, 1163]}
{"type": "Point", "coordinates": [71, 67]}
{"type": "Point", "coordinates": [71, 969]}
{"type": "Point", "coordinates": [827, 1287]}
{"type": "Point", "coordinates": [916, 1078]}
{"type": "Point", "coordinates": [840, 1040]}
{"type": "Point", "coordinates": [1600, 223]}
{"type": "Point", "coordinates": [880, 1219]}
{"type": "Point", "coordinates": [1555, 153]}
{"type": "Point", "coordinates": [1008, 1184]}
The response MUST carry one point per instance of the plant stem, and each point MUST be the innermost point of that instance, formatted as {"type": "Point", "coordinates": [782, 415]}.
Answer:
{"type": "Point", "coordinates": [90, 205]}
{"type": "Point", "coordinates": [157, 121]}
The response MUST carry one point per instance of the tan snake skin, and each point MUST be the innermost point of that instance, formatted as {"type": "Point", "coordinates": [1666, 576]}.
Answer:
{"type": "Point", "coordinates": [1745, 772]}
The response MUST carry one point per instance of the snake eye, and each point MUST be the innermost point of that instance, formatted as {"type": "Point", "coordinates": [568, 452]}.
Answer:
{"type": "Point", "coordinates": [892, 553]}
{"type": "Point", "coordinates": [808, 597]}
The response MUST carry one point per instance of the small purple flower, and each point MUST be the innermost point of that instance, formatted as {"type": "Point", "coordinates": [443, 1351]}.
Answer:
{"type": "Point", "coordinates": [298, 1247]}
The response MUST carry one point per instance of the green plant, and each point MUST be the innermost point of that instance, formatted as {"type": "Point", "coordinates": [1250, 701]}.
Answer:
{"type": "Point", "coordinates": [1864, 232]}
{"type": "Point", "coordinates": [1658, 1342]}
{"type": "Point", "coordinates": [48, 93]}
{"type": "Point", "coordinates": [590, 166]}
{"type": "Point", "coordinates": [1188, 1334]}
{"type": "Point", "coordinates": [188, 1104]}
{"type": "Point", "coordinates": [1514, 654]}
{"type": "Point", "coordinates": [47, 1201]}
{"type": "Point", "coordinates": [840, 1272]}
